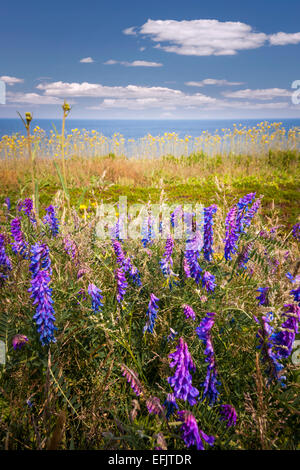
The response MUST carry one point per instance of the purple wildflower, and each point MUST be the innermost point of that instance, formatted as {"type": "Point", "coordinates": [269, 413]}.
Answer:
{"type": "Point", "coordinates": [204, 333]}
{"type": "Point", "coordinates": [232, 233]}
{"type": "Point", "coordinates": [41, 293]}
{"type": "Point", "coordinates": [189, 312]}
{"type": "Point", "coordinates": [251, 213]}
{"type": "Point", "coordinates": [166, 262]}
{"type": "Point", "coordinates": [191, 433]}
{"type": "Point", "coordinates": [245, 255]}
{"type": "Point", "coordinates": [27, 207]}
{"type": "Point", "coordinates": [51, 220]}
{"type": "Point", "coordinates": [283, 340]}
{"type": "Point", "coordinates": [71, 248]}
{"type": "Point", "coordinates": [266, 346]}
{"type": "Point", "coordinates": [19, 245]}
{"type": "Point", "coordinates": [154, 406]}
{"type": "Point", "coordinates": [208, 231]}
{"type": "Point", "coordinates": [18, 341]}
{"type": "Point", "coordinates": [208, 281]}
{"type": "Point", "coordinates": [181, 382]}
{"type": "Point", "coordinates": [172, 335]}
{"type": "Point", "coordinates": [152, 313]}
{"type": "Point", "coordinates": [96, 296]}
{"type": "Point", "coordinates": [7, 203]}
{"type": "Point", "coordinates": [263, 297]}
{"type": "Point", "coordinates": [135, 275]}
{"type": "Point", "coordinates": [147, 232]}
{"type": "Point", "coordinates": [122, 284]}
{"type": "Point", "coordinates": [228, 414]}
{"type": "Point", "coordinates": [5, 263]}
{"type": "Point", "coordinates": [170, 405]}
{"type": "Point", "coordinates": [118, 252]}
{"type": "Point", "coordinates": [132, 379]}
{"type": "Point", "coordinates": [296, 231]}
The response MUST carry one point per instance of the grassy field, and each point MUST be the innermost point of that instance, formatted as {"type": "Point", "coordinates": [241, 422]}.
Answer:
{"type": "Point", "coordinates": [153, 343]}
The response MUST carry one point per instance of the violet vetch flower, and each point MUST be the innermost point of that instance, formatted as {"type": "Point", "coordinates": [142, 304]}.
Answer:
{"type": "Point", "coordinates": [172, 335]}
{"type": "Point", "coordinates": [170, 405]}
{"type": "Point", "coordinates": [166, 263]}
{"type": "Point", "coordinates": [191, 434]}
{"type": "Point", "coordinates": [7, 203]}
{"type": "Point", "coordinates": [147, 232]}
{"type": "Point", "coordinates": [96, 296]}
{"type": "Point", "coordinates": [204, 333]}
{"type": "Point", "coordinates": [122, 284]}
{"type": "Point", "coordinates": [245, 255]}
{"type": "Point", "coordinates": [154, 406]}
{"type": "Point", "coordinates": [181, 382]}
{"type": "Point", "coordinates": [152, 313]}
{"type": "Point", "coordinates": [135, 275]}
{"type": "Point", "coordinates": [263, 297]}
{"type": "Point", "coordinates": [296, 231]}
{"type": "Point", "coordinates": [274, 367]}
{"type": "Point", "coordinates": [41, 293]}
{"type": "Point", "coordinates": [27, 207]}
{"type": "Point", "coordinates": [18, 341]}
{"type": "Point", "coordinates": [283, 339]}
{"type": "Point", "coordinates": [251, 213]}
{"type": "Point", "coordinates": [208, 281]}
{"type": "Point", "coordinates": [132, 379]}
{"type": "Point", "coordinates": [232, 233]}
{"type": "Point", "coordinates": [5, 263]}
{"type": "Point", "coordinates": [194, 268]}
{"type": "Point", "coordinates": [208, 231]}
{"type": "Point", "coordinates": [189, 312]}
{"type": "Point", "coordinates": [120, 256]}
{"type": "Point", "coordinates": [228, 414]}
{"type": "Point", "coordinates": [71, 248]}
{"type": "Point", "coordinates": [19, 245]}
{"type": "Point", "coordinates": [51, 220]}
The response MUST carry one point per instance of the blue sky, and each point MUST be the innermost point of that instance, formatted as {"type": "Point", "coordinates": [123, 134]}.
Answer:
{"type": "Point", "coordinates": [159, 59]}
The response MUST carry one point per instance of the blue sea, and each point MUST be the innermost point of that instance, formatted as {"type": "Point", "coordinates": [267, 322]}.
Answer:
{"type": "Point", "coordinates": [134, 129]}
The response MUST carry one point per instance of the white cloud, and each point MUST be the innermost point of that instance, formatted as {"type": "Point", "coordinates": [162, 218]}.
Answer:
{"type": "Point", "coordinates": [208, 37]}
{"type": "Point", "coordinates": [87, 60]}
{"type": "Point", "coordinates": [282, 39]}
{"type": "Point", "coordinates": [135, 63]}
{"type": "Point", "coordinates": [263, 94]}
{"type": "Point", "coordinates": [213, 81]}
{"type": "Point", "coordinates": [110, 62]}
{"type": "Point", "coordinates": [31, 98]}
{"type": "Point", "coordinates": [130, 31]}
{"type": "Point", "coordinates": [202, 37]}
{"type": "Point", "coordinates": [11, 80]}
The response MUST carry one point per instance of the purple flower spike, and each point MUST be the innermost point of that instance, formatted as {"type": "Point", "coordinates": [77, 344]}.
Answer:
{"type": "Point", "coordinates": [208, 231]}
{"type": "Point", "coordinates": [204, 333]}
{"type": "Point", "coordinates": [96, 296]}
{"type": "Point", "coordinates": [296, 231]}
{"type": "Point", "coordinates": [71, 248]}
{"type": "Point", "coordinates": [51, 220]}
{"type": "Point", "coordinates": [263, 297]}
{"type": "Point", "coordinates": [232, 233]}
{"type": "Point", "coordinates": [208, 281]}
{"type": "Point", "coordinates": [122, 284]}
{"type": "Point", "coordinates": [18, 341]}
{"type": "Point", "coordinates": [27, 207]}
{"type": "Point", "coordinates": [41, 293]}
{"type": "Point", "coordinates": [170, 405]}
{"type": "Point", "coordinates": [228, 414]}
{"type": "Point", "coordinates": [19, 245]}
{"type": "Point", "coordinates": [265, 334]}
{"type": "Point", "coordinates": [132, 379]}
{"type": "Point", "coordinates": [5, 264]}
{"type": "Point", "coordinates": [152, 313]}
{"type": "Point", "coordinates": [189, 312]}
{"type": "Point", "coordinates": [154, 406]}
{"type": "Point", "coordinates": [181, 382]}
{"type": "Point", "coordinates": [191, 434]}
{"type": "Point", "coordinates": [283, 340]}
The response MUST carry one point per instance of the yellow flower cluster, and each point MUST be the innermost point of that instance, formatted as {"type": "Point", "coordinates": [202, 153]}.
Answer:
{"type": "Point", "coordinates": [83, 144]}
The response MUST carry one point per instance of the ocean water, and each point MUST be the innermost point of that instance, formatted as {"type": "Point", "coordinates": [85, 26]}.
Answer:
{"type": "Point", "coordinates": [135, 129]}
